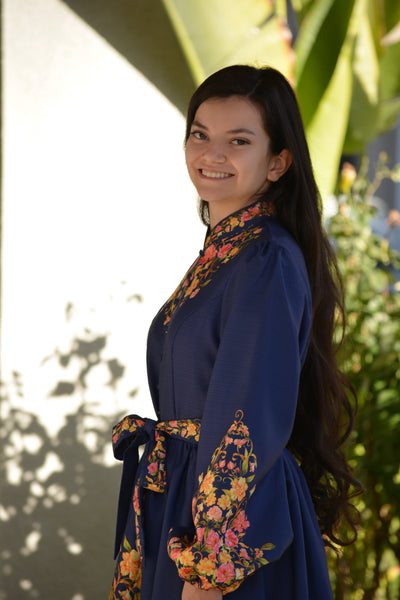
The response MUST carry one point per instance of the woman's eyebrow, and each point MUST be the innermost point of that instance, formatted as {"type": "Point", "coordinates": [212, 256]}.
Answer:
{"type": "Point", "coordinates": [242, 130]}
{"type": "Point", "coordinates": [198, 124]}
{"type": "Point", "coordinates": [231, 131]}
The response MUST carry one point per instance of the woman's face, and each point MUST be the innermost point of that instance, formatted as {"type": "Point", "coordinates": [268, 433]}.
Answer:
{"type": "Point", "coordinates": [227, 155]}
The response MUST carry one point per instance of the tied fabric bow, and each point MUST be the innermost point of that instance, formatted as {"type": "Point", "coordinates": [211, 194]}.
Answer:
{"type": "Point", "coordinates": [130, 433]}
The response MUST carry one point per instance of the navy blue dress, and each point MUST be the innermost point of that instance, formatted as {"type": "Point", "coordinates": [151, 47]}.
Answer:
{"type": "Point", "coordinates": [217, 499]}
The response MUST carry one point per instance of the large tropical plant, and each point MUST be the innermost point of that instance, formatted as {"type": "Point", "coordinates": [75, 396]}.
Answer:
{"type": "Point", "coordinates": [344, 61]}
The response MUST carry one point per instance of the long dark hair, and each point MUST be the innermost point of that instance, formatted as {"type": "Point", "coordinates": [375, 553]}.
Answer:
{"type": "Point", "coordinates": [324, 416]}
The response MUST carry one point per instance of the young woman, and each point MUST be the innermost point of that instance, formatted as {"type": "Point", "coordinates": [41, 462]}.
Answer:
{"type": "Point", "coordinates": [242, 474]}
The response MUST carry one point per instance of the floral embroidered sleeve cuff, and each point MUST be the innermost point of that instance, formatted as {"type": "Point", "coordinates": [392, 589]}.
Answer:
{"type": "Point", "coordinates": [218, 556]}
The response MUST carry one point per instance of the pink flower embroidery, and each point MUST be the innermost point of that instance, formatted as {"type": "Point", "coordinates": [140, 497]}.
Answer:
{"type": "Point", "coordinates": [241, 523]}
{"type": "Point", "coordinates": [136, 500]}
{"type": "Point", "coordinates": [223, 251]}
{"type": "Point", "coordinates": [213, 541]}
{"type": "Point", "coordinates": [231, 539]}
{"type": "Point", "coordinates": [239, 442]}
{"type": "Point", "coordinates": [214, 513]}
{"type": "Point", "coordinates": [174, 553]}
{"type": "Point", "coordinates": [209, 253]}
{"type": "Point", "coordinates": [225, 573]}
{"type": "Point", "coordinates": [254, 210]}
{"type": "Point", "coordinates": [152, 468]}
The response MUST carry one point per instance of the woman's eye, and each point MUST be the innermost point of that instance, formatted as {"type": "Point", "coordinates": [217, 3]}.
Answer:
{"type": "Point", "coordinates": [239, 142]}
{"type": "Point", "coordinates": [199, 135]}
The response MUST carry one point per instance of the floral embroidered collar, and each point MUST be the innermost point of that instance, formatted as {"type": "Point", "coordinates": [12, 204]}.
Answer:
{"type": "Point", "coordinates": [228, 230]}
{"type": "Point", "coordinates": [222, 243]}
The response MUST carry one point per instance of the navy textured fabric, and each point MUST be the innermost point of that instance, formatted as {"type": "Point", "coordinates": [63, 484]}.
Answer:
{"type": "Point", "coordinates": [224, 360]}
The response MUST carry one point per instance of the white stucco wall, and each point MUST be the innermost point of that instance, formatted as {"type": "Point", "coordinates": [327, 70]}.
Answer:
{"type": "Point", "coordinates": [97, 208]}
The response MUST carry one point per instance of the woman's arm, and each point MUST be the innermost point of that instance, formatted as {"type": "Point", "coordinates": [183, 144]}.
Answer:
{"type": "Point", "coordinates": [240, 509]}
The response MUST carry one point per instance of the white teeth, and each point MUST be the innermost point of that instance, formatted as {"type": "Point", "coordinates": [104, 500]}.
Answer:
{"type": "Point", "coordinates": [215, 175]}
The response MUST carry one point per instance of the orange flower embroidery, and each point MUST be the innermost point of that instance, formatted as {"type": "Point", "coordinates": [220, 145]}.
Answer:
{"type": "Point", "coordinates": [238, 489]}
{"type": "Point", "coordinates": [187, 558]}
{"type": "Point", "coordinates": [128, 576]}
{"type": "Point", "coordinates": [206, 566]}
{"type": "Point", "coordinates": [224, 501]}
{"type": "Point", "coordinates": [130, 563]}
{"type": "Point", "coordinates": [211, 499]}
{"type": "Point", "coordinates": [208, 483]}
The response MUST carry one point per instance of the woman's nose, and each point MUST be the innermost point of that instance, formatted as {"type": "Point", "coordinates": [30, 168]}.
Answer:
{"type": "Point", "coordinates": [215, 152]}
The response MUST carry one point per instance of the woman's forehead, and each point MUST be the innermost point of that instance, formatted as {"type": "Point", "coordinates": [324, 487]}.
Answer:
{"type": "Point", "coordinates": [233, 112]}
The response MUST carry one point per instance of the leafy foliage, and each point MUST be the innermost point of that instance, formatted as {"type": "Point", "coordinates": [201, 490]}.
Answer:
{"type": "Point", "coordinates": [370, 569]}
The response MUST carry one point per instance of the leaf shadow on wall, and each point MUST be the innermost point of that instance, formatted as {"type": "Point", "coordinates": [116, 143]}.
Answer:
{"type": "Point", "coordinates": [58, 494]}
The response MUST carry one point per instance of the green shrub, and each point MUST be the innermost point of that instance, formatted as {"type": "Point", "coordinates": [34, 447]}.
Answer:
{"type": "Point", "coordinates": [370, 568]}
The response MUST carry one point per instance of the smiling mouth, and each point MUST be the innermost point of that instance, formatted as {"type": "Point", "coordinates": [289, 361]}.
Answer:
{"type": "Point", "coordinates": [215, 175]}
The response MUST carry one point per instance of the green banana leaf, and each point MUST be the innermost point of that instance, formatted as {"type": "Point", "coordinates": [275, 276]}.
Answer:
{"type": "Point", "coordinates": [325, 51]}
{"type": "Point", "coordinates": [389, 89]}
{"type": "Point", "coordinates": [376, 92]}
{"type": "Point", "coordinates": [301, 7]}
{"type": "Point", "coordinates": [327, 129]}
{"type": "Point", "coordinates": [390, 13]}
{"type": "Point", "coordinates": [216, 33]}
{"type": "Point", "coordinates": [321, 37]}
{"type": "Point", "coordinates": [366, 73]}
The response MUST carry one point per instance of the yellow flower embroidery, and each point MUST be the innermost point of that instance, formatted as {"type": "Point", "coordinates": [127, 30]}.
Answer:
{"type": "Point", "coordinates": [206, 566]}
{"type": "Point", "coordinates": [238, 489]}
{"type": "Point", "coordinates": [130, 563]}
{"type": "Point", "coordinates": [224, 501]}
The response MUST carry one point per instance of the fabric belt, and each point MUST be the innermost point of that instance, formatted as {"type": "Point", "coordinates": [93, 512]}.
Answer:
{"type": "Point", "coordinates": [130, 433]}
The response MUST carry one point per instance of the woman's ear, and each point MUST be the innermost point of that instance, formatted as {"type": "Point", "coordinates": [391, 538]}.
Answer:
{"type": "Point", "coordinates": [279, 165]}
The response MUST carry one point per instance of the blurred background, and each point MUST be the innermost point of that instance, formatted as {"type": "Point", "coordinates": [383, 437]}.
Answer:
{"type": "Point", "coordinates": [99, 224]}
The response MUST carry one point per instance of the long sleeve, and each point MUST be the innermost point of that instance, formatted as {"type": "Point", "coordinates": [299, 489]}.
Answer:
{"type": "Point", "coordinates": [241, 511]}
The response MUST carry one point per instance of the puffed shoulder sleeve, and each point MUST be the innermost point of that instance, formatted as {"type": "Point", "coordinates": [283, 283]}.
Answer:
{"type": "Point", "coordinates": [240, 511]}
